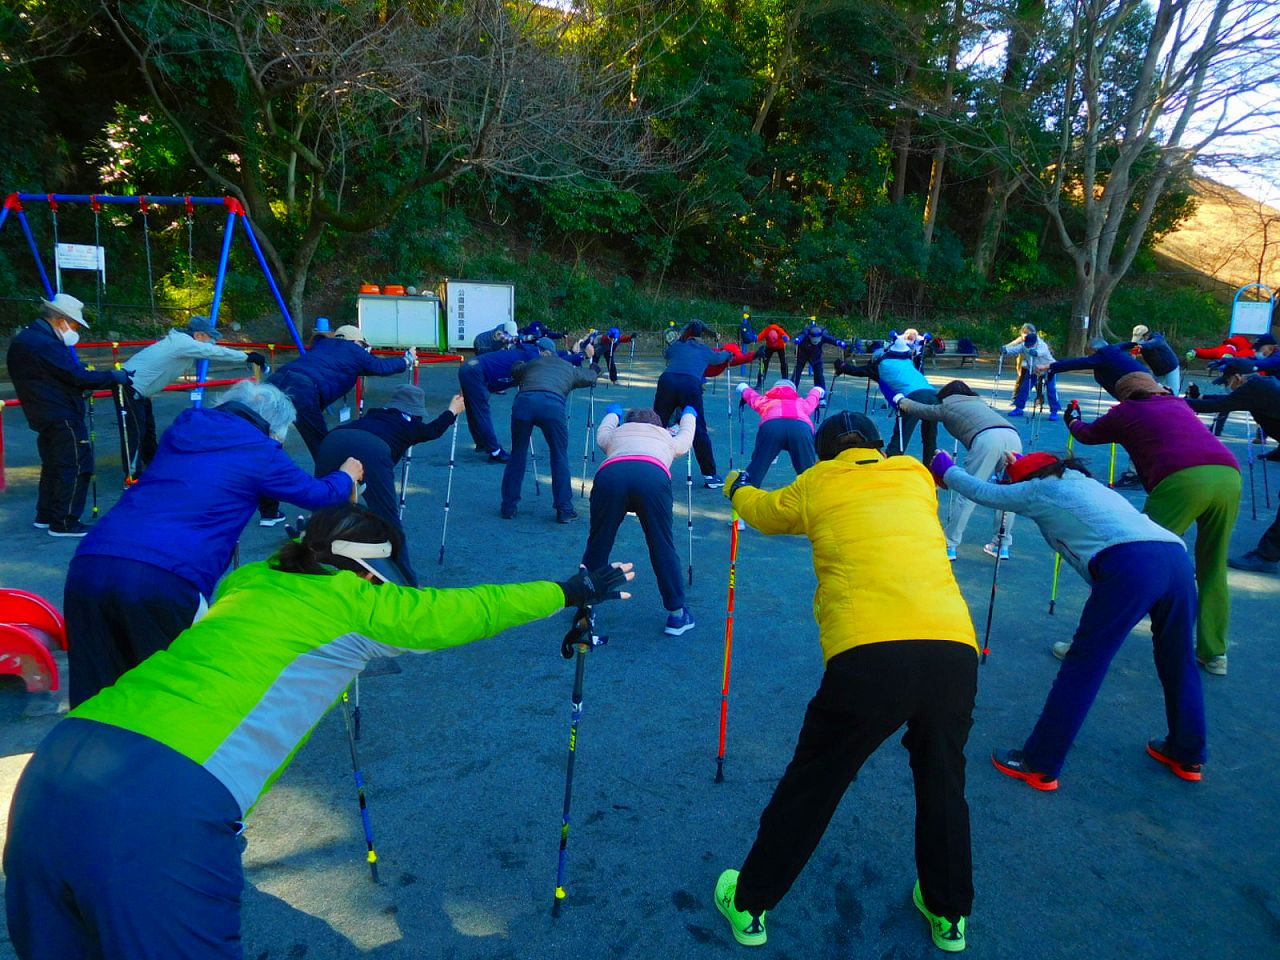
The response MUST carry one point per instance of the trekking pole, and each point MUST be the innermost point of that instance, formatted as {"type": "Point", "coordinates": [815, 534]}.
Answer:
{"type": "Point", "coordinates": [1253, 489]}
{"type": "Point", "coordinates": [448, 490]}
{"type": "Point", "coordinates": [995, 386]}
{"type": "Point", "coordinates": [586, 442]}
{"type": "Point", "coordinates": [951, 494]}
{"type": "Point", "coordinates": [728, 640]}
{"type": "Point", "coordinates": [1057, 557]}
{"type": "Point", "coordinates": [407, 460]}
{"type": "Point", "coordinates": [372, 855]}
{"type": "Point", "coordinates": [688, 483]}
{"type": "Point", "coordinates": [93, 455]}
{"type": "Point", "coordinates": [533, 455]}
{"type": "Point", "coordinates": [991, 605]}
{"type": "Point", "coordinates": [1111, 470]}
{"type": "Point", "coordinates": [1256, 436]}
{"type": "Point", "coordinates": [631, 364]}
{"type": "Point", "coordinates": [866, 399]}
{"type": "Point", "coordinates": [127, 461]}
{"type": "Point", "coordinates": [582, 638]}
{"type": "Point", "coordinates": [728, 409]}
{"type": "Point", "coordinates": [902, 446]}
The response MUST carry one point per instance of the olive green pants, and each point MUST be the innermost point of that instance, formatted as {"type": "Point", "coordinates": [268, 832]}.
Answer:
{"type": "Point", "coordinates": [1209, 497]}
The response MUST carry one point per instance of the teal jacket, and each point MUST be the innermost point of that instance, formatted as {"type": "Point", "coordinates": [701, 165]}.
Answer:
{"type": "Point", "coordinates": [240, 691]}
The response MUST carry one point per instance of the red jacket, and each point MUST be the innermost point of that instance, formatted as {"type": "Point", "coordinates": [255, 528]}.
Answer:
{"type": "Point", "coordinates": [739, 358]}
{"type": "Point", "coordinates": [1237, 346]}
{"type": "Point", "coordinates": [773, 336]}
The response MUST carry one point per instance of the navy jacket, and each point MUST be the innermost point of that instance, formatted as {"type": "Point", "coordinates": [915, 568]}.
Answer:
{"type": "Point", "coordinates": [329, 369]}
{"type": "Point", "coordinates": [1108, 365]}
{"type": "Point", "coordinates": [814, 336]}
{"type": "Point", "coordinates": [48, 377]}
{"type": "Point", "coordinates": [1157, 354]}
{"type": "Point", "coordinates": [497, 366]}
{"type": "Point", "coordinates": [539, 329]}
{"type": "Point", "coordinates": [192, 503]}
{"type": "Point", "coordinates": [397, 430]}
{"type": "Point", "coordinates": [692, 357]}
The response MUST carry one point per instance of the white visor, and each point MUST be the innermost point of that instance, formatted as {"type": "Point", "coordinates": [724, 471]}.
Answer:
{"type": "Point", "coordinates": [374, 557]}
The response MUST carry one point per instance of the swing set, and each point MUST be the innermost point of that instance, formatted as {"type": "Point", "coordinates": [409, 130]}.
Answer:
{"type": "Point", "coordinates": [13, 204]}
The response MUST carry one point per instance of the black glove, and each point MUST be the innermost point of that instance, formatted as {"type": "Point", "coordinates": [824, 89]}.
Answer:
{"type": "Point", "coordinates": [1072, 413]}
{"type": "Point", "coordinates": [587, 587]}
{"type": "Point", "coordinates": [121, 377]}
{"type": "Point", "coordinates": [743, 479]}
{"type": "Point", "coordinates": [254, 357]}
{"type": "Point", "coordinates": [1193, 391]}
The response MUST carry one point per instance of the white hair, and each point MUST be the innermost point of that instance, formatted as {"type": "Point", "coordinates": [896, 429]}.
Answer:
{"type": "Point", "coordinates": [268, 402]}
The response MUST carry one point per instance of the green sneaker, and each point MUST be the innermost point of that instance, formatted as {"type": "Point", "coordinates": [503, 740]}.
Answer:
{"type": "Point", "coordinates": [748, 930]}
{"type": "Point", "coordinates": [947, 935]}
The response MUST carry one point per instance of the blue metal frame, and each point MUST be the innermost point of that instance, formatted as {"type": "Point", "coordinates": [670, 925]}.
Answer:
{"type": "Point", "coordinates": [234, 210]}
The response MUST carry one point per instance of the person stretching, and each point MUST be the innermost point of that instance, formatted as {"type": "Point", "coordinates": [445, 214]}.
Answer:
{"type": "Point", "coordinates": [773, 340]}
{"type": "Point", "coordinates": [786, 423]}
{"type": "Point", "coordinates": [1134, 567]}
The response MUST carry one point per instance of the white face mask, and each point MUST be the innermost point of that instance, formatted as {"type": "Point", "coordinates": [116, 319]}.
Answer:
{"type": "Point", "coordinates": [71, 337]}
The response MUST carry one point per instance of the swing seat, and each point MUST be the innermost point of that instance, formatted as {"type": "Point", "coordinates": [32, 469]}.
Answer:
{"type": "Point", "coordinates": [31, 628]}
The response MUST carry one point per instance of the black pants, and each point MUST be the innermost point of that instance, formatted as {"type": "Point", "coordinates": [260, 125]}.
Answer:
{"type": "Point", "coordinates": [118, 613]}
{"type": "Point", "coordinates": [139, 431]}
{"type": "Point", "coordinates": [774, 436]}
{"type": "Point", "coordinates": [379, 480]}
{"type": "Point", "coordinates": [867, 693]}
{"type": "Point", "coordinates": [675, 392]}
{"type": "Point", "coordinates": [810, 357]}
{"type": "Point", "coordinates": [66, 467]}
{"type": "Point", "coordinates": [928, 428]}
{"type": "Point", "coordinates": [644, 488]}
{"type": "Point", "coordinates": [769, 353]}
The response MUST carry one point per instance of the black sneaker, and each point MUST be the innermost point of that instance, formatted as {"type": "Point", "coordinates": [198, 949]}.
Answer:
{"type": "Point", "coordinates": [1273, 456]}
{"type": "Point", "coordinates": [498, 456]}
{"type": "Point", "coordinates": [271, 521]}
{"type": "Point", "coordinates": [509, 514]}
{"type": "Point", "coordinates": [40, 525]}
{"type": "Point", "coordinates": [1254, 562]}
{"type": "Point", "coordinates": [73, 529]}
{"type": "Point", "coordinates": [566, 516]}
{"type": "Point", "coordinates": [713, 481]}
{"type": "Point", "coordinates": [1013, 764]}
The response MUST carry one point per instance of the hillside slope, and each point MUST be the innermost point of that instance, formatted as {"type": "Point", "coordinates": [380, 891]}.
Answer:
{"type": "Point", "coordinates": [1231, 238]}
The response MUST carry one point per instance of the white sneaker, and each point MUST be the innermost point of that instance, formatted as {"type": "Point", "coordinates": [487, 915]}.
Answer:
{"type": "Point", "coordinates": [1060, 649]}
{"type": "Point", "coordinates": [1215, 665]}
{"type": "Point", "coordinates": [990, 550]}
{"type": "Point", "coordinates": [271, 521]}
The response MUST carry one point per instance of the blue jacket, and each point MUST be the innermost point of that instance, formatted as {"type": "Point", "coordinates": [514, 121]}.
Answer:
{"type": "Point", "coordinates": [48, 377]}
{"type": "Point", "coordinates": [1268, 365]}
{"type": "Point", "coordinates": [814, 336]}
{"type": "Point", "coordinates": [497, 366]}
{"type": "Point", "coordinates": [1108, 365]}
{"type": "Point", "coordinates": [192, 503]}
{"type": "Point", "coordinates": [539, 329]}
{"type": "Point", "coordinates": [329, 369]}
{"type": "Point", "coordinates": [1158, 355]}
{"type": "Point", "coordinates": [897, 373]}
{"type": "Point", "coordinates": [692, 357]}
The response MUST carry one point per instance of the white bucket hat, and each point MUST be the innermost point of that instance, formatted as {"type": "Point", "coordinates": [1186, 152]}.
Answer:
{"type": "Point", "coordinates": [68, 306]}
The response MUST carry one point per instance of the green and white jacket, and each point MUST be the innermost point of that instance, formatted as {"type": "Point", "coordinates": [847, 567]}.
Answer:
{"type": "Point", "coordinates": [240, 691]}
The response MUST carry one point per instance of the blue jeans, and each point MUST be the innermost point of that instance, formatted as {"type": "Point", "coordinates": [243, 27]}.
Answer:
{"type": "Point", "coordinates": [1130, 580]}
{"type": "Point", "coordinates": [119, 846]}
{"type": "Point", "coordinates": [475, 391]}
{"type": "Point", "coordinates": [1023, 391]}
{"type": "Point", "coordinates": [546, 411]}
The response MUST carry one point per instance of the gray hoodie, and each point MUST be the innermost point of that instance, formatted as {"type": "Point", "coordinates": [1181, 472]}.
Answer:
{"type": "Point", "coordinates": [1077, 516]}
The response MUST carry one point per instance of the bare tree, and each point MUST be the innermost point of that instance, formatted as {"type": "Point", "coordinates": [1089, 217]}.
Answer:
{"type": "Point", "coordinates": [328, 117]}
{"type": "Point", "coordinates": [1192, 75]}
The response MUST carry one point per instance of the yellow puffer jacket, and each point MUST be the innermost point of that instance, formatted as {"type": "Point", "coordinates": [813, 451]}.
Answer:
{"type": "Point", "coordinates": [878, 549]}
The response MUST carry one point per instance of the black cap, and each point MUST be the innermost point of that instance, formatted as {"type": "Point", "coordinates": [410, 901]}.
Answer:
{"type": "Point", "coordinates": [844, 430]}
{"type": "Point", "coordinates": [1232, 367]}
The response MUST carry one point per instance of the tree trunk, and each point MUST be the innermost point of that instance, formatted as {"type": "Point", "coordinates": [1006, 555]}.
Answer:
{"type": "Point", "coordinates": [995, 206]}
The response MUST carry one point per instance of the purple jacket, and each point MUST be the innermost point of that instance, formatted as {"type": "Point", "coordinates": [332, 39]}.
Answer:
{"type": "Point", "coordinates": [1162, 434]}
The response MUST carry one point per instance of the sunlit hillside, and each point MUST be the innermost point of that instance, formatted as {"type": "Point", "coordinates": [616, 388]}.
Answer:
{"type": "Point", "coordinates": [1232, 238]}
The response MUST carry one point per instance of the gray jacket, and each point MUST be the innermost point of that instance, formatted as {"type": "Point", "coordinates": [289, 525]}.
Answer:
{"type": "Point", "coordinates": [964, 417]}
{"type": "Point", "coordinates": [553, 375]}
{"type": "Point", "coordinates": [157, 366]}
{"type": "Point", "coordinates": [1077, 516]}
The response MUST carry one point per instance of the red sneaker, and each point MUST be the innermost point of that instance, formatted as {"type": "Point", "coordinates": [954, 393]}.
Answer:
{"type": "Point", "coordinates": [1186, 771]}
{"type": "Point", "coordinates": [1012, 764]}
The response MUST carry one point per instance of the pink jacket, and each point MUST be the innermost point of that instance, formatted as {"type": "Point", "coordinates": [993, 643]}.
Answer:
{"type": "Point", "coordinates": [644, 441]}
{"type": "Point", "coordinates": [783, 403]}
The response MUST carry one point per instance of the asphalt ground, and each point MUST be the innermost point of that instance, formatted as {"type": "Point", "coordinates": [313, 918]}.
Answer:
{"type": "Point", "coordinates": [464, 752]}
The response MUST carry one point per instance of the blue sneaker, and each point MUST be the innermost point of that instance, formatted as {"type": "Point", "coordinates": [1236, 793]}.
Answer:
{"type": "Point", "coordinates": [951, 552]}
{"type": "Point", "coordinates": [1015, 412]}
{"type": "Point", "coordinates": [678, 623]}
{"type": "Point", "coordinates": [1053, 416]}
{"type": "Point", "coordinates": [990, 550]}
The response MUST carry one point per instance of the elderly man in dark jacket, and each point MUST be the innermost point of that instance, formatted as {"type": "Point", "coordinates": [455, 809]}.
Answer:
{"type": "Point", "coordinates": [149, 566]}
{"type": "Point", "coordinates": [379, 440]}
{"type": "Point", "coordinates": [480, 376]}
{"type": "Point", "coordinates": [318, 378]}
{"type": "Point", "coordinates": [680, 386]}
{"type": "Point", "coordinates": [51, 381]}
{"type": "Point", "coordinates": [545, 384]}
